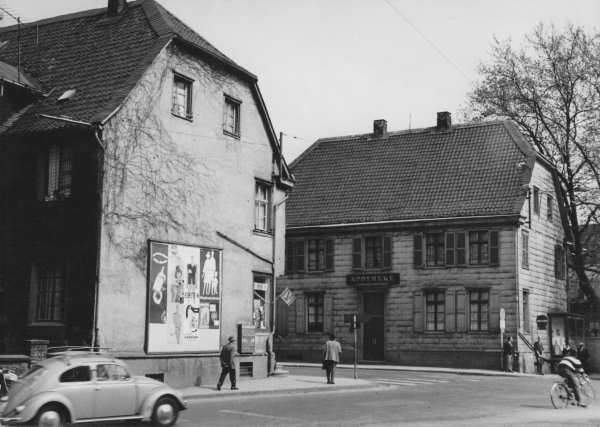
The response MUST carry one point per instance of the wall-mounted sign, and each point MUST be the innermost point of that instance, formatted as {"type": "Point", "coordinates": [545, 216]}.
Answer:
{"type": "Point", "coordinates": [373, 279]}
{"type": "Point", "coordinates": [261, 286]}
{"type": "Point", "coordinates": [287, 296]}
{"type": "Point", "coordinates": [184, 298]}
{"type": "Point", "coordinates": [246, 339]}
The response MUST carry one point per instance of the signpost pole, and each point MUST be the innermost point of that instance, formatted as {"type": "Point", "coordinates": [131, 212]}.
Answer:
{"type": "Point", "coordinates": [502, 326]}
{"type": "Point", "coordinates": [355, 348]}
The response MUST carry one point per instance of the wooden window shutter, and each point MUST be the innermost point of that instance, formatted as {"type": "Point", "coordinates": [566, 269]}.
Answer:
{"type": "Point", "coordinates": [328, 315]}
{"type": "Point", "coordinates": [563, 263]}
{"type": "Point", "coordinates": [494, 247]}
{"type": "Point", "coordinates": [387, 251]}
{"type": "Point", "coordinates": [289, 256]}
{"type": "Point", "coordinates": [450, 251]}
{"type": "Point", "coordinates": [300, 255]}
{"type": "Point", "coordinates": [450, 305]}
{"type": "Point", "coordinates": [494, 311]}
{"type": "Point", "coordinates": [418, 311]}
{"type": "Point", "coordinates": [357, 253]}
{"type": "Point", "coordinates": [329, 254]}
{"type": "Point", "coordinates": [461, 311]}
{"type": "Point", "coordinates": [418, 250]}
{"type": "Point", "coordinates": [300, 314]}
{"type": "Point", "coordinates": [281, 322]}
{"type": "Point", "coordinates": [461, 248]}
{"type": "Point", "coordinates": [556, 262]}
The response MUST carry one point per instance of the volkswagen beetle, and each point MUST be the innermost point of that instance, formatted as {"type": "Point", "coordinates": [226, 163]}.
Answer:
{"type": "Point", "coordinates": [80, 387]}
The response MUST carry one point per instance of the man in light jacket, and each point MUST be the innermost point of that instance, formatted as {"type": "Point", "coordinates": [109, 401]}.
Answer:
{"type": "Point", "coordinates": [332, 357]}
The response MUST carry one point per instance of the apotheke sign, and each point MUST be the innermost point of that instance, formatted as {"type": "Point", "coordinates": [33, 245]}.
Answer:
{"type": "Point", "coordinates": [373, 279]}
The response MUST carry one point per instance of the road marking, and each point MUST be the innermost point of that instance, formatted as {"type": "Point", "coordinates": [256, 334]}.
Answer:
{"type": "Point", "coordinates": [471, 379]}
{"type": "Point", "coordinates": [397, 382]}
{"type": "Point", "coordinates": [257, 415]}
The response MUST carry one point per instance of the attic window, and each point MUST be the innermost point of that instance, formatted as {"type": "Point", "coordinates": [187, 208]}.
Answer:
{"type": "Point", "coordinates": [67, 95]}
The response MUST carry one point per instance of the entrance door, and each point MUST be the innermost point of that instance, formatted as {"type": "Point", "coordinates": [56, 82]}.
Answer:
{"type": "Point", "coordinates": [373, 304]}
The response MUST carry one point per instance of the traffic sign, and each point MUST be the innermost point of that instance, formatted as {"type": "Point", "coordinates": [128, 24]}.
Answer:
{"type": "Point", "coordinates": [502, 314]}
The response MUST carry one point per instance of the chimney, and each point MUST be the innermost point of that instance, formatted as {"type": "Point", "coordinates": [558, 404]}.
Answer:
{"type": "Point", "coordinates": [115, 7]}
{"type": "Point", "coordinates": [380, 127]}
{"type": "Point", "coordinates": [444, 120]}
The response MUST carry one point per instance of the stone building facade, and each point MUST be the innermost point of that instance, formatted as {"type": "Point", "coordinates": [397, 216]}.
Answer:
{"type": "Point", "coordinates": [427, 235]}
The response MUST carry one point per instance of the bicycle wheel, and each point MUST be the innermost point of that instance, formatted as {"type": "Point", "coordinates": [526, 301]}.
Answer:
{"type": "Point", "coordinates": [559, 395]}
{"type": "Point", "coordinates": [587, 394]}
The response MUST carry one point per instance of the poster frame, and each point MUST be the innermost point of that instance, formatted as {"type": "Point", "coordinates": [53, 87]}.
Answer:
{"type": "Point", "coordinates": [149, 296]}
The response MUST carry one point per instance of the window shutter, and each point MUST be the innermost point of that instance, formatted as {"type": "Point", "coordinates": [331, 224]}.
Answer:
{"type": "Point", "coordinates": [450, 305]}
{"type": "Point", "coordinates": [494, 247]}
{"type": "Point", "coordinates": [289, 256]}
{"type": "Point", "coordinates": [281, 323]}
{"type": "Point", "coordinates": [450, 249]}
{"type": "Point", "coordinates": [494, 311]}
{"type": "Point", "coordinates": [387, 251]}
{"type": "Point", "coordinates": [329, 255]}
{"type": "Point", "coordinates": [357, 253]}
{"type": "Point", "coordinates": [557, 262]}
{"type": "Point", "coordinates": [418, 250]}
{"type": "Point", "coordinates": [563, 263]}
{"type": "Point", "coordinates": [461, 311]}
{"type": "Point", "coordinates": [300, 314]}
{"type": "Point", "coordinates": [461, 248]}
{"type": "Point", "coordinates": [418, 311]}
{"type": "Point", "coordinates": [328, 315]}
{"type": "Point", "coordinates": [300, 255]}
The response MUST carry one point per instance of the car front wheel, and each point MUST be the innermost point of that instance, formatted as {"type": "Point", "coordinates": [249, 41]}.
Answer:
{"type": "Point", "coordinates": [51, 415]}
{"type": "Point", "coordinates": [165, 412]}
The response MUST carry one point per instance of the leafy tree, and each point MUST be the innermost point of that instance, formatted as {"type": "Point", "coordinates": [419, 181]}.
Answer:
{"type": "Point", "coordinates": [550, 87]}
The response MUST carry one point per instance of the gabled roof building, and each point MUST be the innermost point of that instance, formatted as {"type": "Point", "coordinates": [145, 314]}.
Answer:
{"type": "Point", "coordinates": [439, 239]}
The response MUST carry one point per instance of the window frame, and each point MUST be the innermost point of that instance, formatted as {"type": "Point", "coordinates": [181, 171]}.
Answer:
{"type": "Point", "coordinates": [435, 303]}
{"type": "Point", "coordinates": [549, 207]}
{"type": "Point", "coordinates": [479, 244]}
{"type": "Point", "coordinates": [57, 175]}
{"type": "Point", "coordinates": [536, 201]}
{"type": "Point", "coordinates": [318, 304]}
{"type": "Point", "coordinates": [316, 251]}
{"type": "Point", "coordinates": [55, 300]}
{"type": "Point", "coordinates": [439, 248]}
{"type": "Point", "coordinates": [236, 107]}
{"type": "Point", "coordinates": [478, 302]}
{"type": "Point", "coordinates": [264, 300]}
{"type": "Point", "coordinates": [525, 250]}
{"type": "Point", "coordinates": [263, 202]}
{"type": "Point", "coordinates": [188, 106]}
{"type": "Point", "coordinates": [559, 262]}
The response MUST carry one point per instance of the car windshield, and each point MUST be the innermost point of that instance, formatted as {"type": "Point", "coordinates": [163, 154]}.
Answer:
{"type": "Point", "coordinates": [33, 373]}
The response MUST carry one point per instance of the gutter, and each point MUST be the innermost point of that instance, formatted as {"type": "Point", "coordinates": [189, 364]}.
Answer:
{"type": "Point", "coordinates": [98, 136]}
{"type": "Point", "coordinates": [66, 120]}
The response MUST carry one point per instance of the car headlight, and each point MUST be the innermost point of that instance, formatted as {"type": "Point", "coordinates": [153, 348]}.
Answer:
{"type": "Point", "coordinates": [19, 409]}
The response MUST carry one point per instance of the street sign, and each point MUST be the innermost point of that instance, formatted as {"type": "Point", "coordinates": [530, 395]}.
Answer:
{"type": "Point", "coordinates": [287, 296]}
{"type": "Point", "coordinates": [502, 314]}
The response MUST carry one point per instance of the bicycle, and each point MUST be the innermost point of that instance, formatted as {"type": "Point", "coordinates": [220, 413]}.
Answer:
{"type": "Point", "coordinates": [561, 394]}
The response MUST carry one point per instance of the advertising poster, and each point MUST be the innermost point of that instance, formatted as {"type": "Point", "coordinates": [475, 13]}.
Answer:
{"type": "Point", "coordinates": [184, 294]}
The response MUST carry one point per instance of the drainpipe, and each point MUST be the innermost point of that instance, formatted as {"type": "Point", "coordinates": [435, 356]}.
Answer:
{"type": "Point", "coordinates": [100, 186]}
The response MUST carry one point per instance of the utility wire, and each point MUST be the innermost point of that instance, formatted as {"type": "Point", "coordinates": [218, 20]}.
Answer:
{"type": "Point", "coordinates": [428, 41]}
{"type": "Point", "coordinates": [296, 137]}
{"type": "Point", "coordinates": [15, 18]}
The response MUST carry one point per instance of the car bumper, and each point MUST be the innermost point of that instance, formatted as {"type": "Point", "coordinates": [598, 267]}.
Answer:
{"type": "Point", "coordinates": [8, 421]}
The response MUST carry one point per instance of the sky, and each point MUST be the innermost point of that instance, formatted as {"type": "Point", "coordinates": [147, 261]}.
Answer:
{"type": "Point", "coordinates": [331, 67]}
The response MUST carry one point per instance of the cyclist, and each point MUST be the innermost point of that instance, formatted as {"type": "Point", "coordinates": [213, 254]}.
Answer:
{"type": "Point", "coordinates": [567, 368]}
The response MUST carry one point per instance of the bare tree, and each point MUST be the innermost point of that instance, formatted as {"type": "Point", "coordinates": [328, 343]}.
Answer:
{"type": "Point", "coordinates": [550, 87]}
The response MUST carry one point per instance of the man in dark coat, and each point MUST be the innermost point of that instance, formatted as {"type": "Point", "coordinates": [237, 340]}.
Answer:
{"type": "Point", "coordinates": [538, 348]}
{"type": "Point", "coordinates": [584, 356]}
{"type": "Point", "coordinates": [227, 357]}
{"type": "Point", "coordinates": [507, 351]}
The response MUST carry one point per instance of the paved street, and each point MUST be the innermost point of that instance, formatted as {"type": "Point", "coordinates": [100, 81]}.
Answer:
{"type": "Point", "coordinates": [418, 398]}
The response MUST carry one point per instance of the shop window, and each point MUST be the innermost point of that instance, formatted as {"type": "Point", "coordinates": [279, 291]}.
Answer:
{"type": "Point", "coordinates": [550, 203]}
{"type": "Point", "coordinates": [55, 169]}
{"type": "Point", "coordinates": [525, 250]}
{"type": "Point", "coordinates": [435, 310]}
{"type": "Point", "coordinates": [50, 290]}
{"type": "Point", "coordinates": [479, 310]}
{"type": "Point", "coordinates": [261, 303]}
{"type": "Point", "coordinates": [435, 249]}
{"type": "Point", "coordinates": [262, 205]}
{"type": "Point", "coordinates": [526, 320]}
{"type": "Point", "coordinates": [372, 252]}
{"type": "Point", "coordinates": [318, 251]}
{"type": "Point", "coordinates": [231, 117]}
{"type": "Point", "coordinates": [559, 262]}
{"type": "Point", "coordinates": [536, 200]}
{"type": "Point", "coordinates": [182, 97]}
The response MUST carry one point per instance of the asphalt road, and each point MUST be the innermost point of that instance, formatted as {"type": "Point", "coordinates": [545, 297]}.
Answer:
{"type": "Point", "coordinates": [401, 398]}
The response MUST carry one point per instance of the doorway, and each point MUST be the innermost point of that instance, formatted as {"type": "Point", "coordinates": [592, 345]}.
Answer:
{"type": "Point", "coordinates": [373, 333]}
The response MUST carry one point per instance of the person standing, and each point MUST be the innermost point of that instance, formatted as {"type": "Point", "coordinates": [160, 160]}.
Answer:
{"type": "Point", "coordinates": [332, 357]}
{"type": "Point", "coordinates": [538, 348]}
{"type": "Point", "coordinates": [566, 350]}
{"type": "Point", "coordinates": [227, 357]}
{"type": "Point", "coordinates": [507, 351]}
{"type": "Point", "coordinates": [584, 356]}
{"type": "Point", "coordinates": [568, 367]}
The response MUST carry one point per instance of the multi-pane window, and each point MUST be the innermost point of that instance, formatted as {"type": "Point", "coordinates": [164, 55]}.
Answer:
{"type": "Point", "coordinates": [231, 117]}
{"type": "Point", "coordinates": [479, 310]}
{"type": "Point", "coordinates": [182, 97]}
{"type": "Point", "coordinates": [526, 250]}
{"type": "Point", "coordinates": [316, 255]}
{"type": "Point", "coordinates": [316, 309]}
{"type": "Point", "coordinates": [550, 208]}
{"type": "Point", "coordinates": [373, 252]}
{"type": "Point", "coordinates": [50, 293]}
{"type": "Point", "coordinates": [435, 249]}
{"type": "Point", "coordinates": [261, 203]}
{"type": "Point", "coordinates": [56, 169]}
{"type": "Point", "coordinates": [536, 200]}
{"type": "Point", "coordinates": [435, 311]}
{"type": "Point", "coordinates": [478, 247]}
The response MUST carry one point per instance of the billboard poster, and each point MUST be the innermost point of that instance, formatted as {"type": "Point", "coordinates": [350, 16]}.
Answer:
{"type": "Point", "coordinates": [184, 295]}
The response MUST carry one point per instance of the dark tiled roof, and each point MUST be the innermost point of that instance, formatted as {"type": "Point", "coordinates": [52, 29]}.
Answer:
{"type": "Point", "coordinates": [102, 62]}
{"type": "Point", "coordinates": [470, 170]}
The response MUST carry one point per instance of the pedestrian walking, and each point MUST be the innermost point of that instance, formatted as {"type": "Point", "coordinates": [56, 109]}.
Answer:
{"type": "Point", "coordinates": [538, 348]}
{"type": "Point", "coordinates": [227, 357]}
{"type": "Point", "coordinates": [332, 357]}
{"type": "Point", "coordinates": [507, 351]}
{"type": "Point", "coordinates": [584, 356]}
